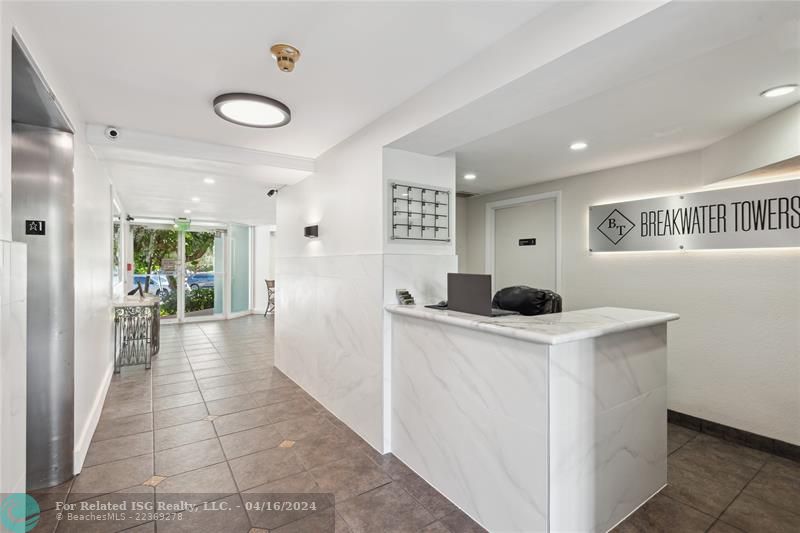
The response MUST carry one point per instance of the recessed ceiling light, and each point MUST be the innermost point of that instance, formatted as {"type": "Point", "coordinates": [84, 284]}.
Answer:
{"type": "Point", "coordinates": [470, 176]}
{"type": "Point", "coordinates": [578, 145]}
{"type": "Point", "coordinates": [208, 180]}
{"type": "Point", "coordinates": [187, 211]}
{"type": "Point", "coordinates": [195, 199]}
{"type": "Point", "coordinates": [252, 110]}
{"type": "Point", "coordinates": [779, 90]}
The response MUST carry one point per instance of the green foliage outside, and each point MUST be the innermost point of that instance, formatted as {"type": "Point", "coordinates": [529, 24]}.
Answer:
{"type": "Point", "coordinates": [152, 246]}
{"type": "Point", "coordinates": [196, 300]}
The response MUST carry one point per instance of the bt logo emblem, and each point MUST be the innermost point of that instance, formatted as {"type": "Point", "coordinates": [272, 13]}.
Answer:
{"type": "Point", "coordinates": [615, 226]}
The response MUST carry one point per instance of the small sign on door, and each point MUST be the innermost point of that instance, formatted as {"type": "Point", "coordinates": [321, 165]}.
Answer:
{"type": "Point", "coordinates": [527, 242]}
{"type": "Point", "coordinates": [34, 227]}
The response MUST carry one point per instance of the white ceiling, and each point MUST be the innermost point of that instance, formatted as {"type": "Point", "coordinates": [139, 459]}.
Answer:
{"type": "Point", "coordinates": [156, 67]}
{"type": "Point", "coordinates": [677, 79]}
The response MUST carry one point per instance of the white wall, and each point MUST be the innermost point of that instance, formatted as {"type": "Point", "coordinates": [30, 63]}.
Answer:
{"type": "Point", "coordinates": [734, 356]}
{"type": "Point", "coordinates": [93, 317]}
{"type": "Point", "coordinates": [774, 139]}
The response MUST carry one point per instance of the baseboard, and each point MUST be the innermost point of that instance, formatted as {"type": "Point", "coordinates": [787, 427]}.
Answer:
{"type": "Point", "coordinates": [735, 435]}
{"type": "Point", "coordinates": [82, 444]}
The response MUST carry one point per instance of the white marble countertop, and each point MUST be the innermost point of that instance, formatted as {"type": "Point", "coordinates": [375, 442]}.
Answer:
{"type": "Point", "coordinates": [135, 301]}
{"type": "Point", "coordinates": [556, 328]}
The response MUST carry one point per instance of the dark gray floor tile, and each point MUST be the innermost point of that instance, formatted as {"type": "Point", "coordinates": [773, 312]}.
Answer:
{"type": "Point", "coordinates": [175, 436]}
{"type": "Point", "coordinates": [159, 391]}
{"type": "Point", "coordinates": [324, 521]}
{"type": "Point", "coordinates": [426, 495]}
{"type": "Point", "coordinates": [225, 391]}
{"type": "Point", "coordinates": [662, 513]}
{"type": "Point", "coordinates": [219, 381]}
{"type": "Point", "coordinates": [197, 486]}
{"type": "Point", "coordinates": [778, 483]}
{"type": "Point", "coordinates": [388, 508]}
{"type": "Point", "coordinates": [721, 527]}
{"type": "Point", "coordinates": [393, 466]}
{"type": "Point", "coordinates": [708, 494]}
{"type": "Point", "coordinates": [234, 404]}
{"type": "Point", "coordinates": [250, 441]}
{"type": "Point", "coordinates": [106, 451]}
{"type": "Point", "coordinates": [212, 372]}
{"type": "Point", "coordinates": [350, 476]}
{"type": "Point", "coordinates": [49, 497]}
{"type": "Point", "coordinates": [242, 420]}
{"type": "Point", "coordinates": [262, 467]}
{"type": "Point", "coordinates": [300, 490]}
{"type": "Point", "coordinates": [188, 457]}
{"type": "Point", "coordinates": [755, 515]}
{"type": "Point", "coordinates": [120, 427]}
{"type": "Point", "coordinates": [111, 477]}
{"type": "Point", "coordinates": [211, 519]}
{"type": "Point", "coordinates": [173, 378]}
{"type": "Point", "coordinates": [323, 449]}
{"type": "Point", "coordinates": [712, 457]}
{"type": "Point", "coordinates": [677, 436]}
{"type": "Point", "coordinates": [288, 410]}
{"type": "Point", "coordinates": [436, 527]}
{"type": "Point", "coordinates": [180, 415]}
{"type": "Point", "coordinates": [305, 427]}
{"type": "Point", "coordinates": [177, 400]}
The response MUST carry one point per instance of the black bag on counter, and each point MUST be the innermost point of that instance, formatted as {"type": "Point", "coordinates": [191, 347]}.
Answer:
{"type": "Point", "coordinates": [527, 300]}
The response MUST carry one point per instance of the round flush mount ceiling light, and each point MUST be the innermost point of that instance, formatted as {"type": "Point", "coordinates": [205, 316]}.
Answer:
{"type": "Point", "coordinates": [578, 145]}
{"type": "Point", "coordinates": [252, 110]}
{"type": "Point", "coordinates": [470, 176]}
{"type": "Point", "coordinates": [779, 90]}
{"type": "Point", "coordinates": [210, 181]}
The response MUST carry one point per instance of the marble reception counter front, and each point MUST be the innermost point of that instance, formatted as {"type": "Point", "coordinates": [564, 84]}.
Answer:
{"type": "Point", "coordinates": [548, 423]}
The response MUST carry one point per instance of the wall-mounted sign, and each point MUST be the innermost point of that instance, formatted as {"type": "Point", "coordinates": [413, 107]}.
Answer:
{"type": "Point", "coordinates": [35, 227]}
{"type": "Point", "coordinates": [755, 216]}
{"type": "Point", "coordinates": [527, 242]}
{"type": "Point", "coordinates": [168, 266]}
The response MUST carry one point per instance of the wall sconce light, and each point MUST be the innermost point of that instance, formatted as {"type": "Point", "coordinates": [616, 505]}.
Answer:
{"type": "Point", "coordinates": [312, 232]}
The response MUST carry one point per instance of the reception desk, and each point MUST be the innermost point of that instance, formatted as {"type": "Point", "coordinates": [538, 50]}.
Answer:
{"type": "Point", "coordinates": [548, 423]}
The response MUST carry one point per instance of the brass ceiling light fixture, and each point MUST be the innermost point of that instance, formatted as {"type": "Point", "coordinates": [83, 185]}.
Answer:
{"type": "Point", "coordinates": [286, 55]}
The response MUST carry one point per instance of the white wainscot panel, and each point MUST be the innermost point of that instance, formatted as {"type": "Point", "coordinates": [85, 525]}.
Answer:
{"type": "Point", "coordinates": [594, 375]}
{"type": "Point", "coordinates": [603, 467]}
{"type": "Point", "coordinates": [424, 275]}
{"type": "Point", "coordinates": [328, 324]}
{"type": "Point", "coordinates": [469, 415]}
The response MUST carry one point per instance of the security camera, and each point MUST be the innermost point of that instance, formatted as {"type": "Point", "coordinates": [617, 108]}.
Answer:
{"type": "Point", "coordinates": [112, 133]}
{"type": "Point", "coordinates": [272, 192]}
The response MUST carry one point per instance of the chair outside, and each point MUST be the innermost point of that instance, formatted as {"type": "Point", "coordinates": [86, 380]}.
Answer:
{"type": "Point", "coordinates": [270, 296]}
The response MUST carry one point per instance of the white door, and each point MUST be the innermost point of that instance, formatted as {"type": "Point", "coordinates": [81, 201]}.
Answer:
{"type": "Point", "coordinates": [525, 245]}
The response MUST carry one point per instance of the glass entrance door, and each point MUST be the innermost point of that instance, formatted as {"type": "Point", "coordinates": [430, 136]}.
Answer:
{"type": "Point", "coordinates": [155, 262]}
{"type": "Point", "coordinates": [204, 260]}
{"type": "Point", "coordinates": [185, 269]}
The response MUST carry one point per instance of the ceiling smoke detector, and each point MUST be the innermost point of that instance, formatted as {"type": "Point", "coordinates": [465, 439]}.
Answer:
{"type": "Point", "coordinates": [286, 55]}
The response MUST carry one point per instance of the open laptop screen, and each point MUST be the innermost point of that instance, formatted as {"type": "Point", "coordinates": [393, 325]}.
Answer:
{"type": "Point", "coordinates": [470, 293]}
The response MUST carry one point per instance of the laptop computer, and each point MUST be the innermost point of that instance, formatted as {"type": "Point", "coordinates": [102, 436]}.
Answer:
{"type": "Point", "coordinates": [471, 293]}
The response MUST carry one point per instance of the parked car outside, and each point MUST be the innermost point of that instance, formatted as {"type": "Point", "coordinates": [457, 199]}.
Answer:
{"type": "Point", "coordinates": [159, 284]}
{"type": "Point", "coordinates": [201, 280]}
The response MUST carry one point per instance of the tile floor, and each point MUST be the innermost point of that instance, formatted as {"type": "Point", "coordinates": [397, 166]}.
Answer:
{"type": "Point", "coordinates": [214, 421]}
{"type": "Point", "coordinates": [720, 487]}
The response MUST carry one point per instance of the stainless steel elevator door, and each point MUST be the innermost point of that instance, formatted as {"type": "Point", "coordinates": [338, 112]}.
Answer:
{"type": "Point", "coordinates": [42, 190]}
